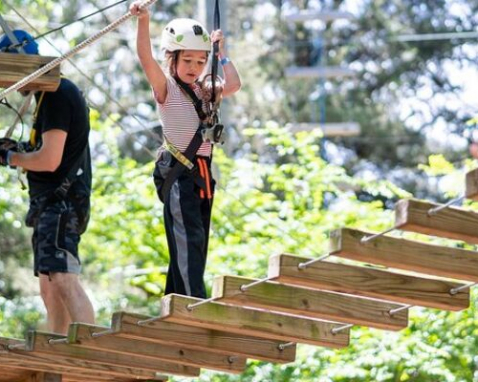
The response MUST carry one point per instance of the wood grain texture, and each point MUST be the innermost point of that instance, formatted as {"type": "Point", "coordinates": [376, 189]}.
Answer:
{"type": "Point", "coordinates": [81, 335]}
{"type": "Point", "coordinates": [15, 67]}
{"type": "Point", "coordinates": [309, 303]}
{"type": "Point", "coordinates": [38, 361]}
{"type": "Point", "coordinates": [251, 322]}
{"type": "Point", "coordinates": [404, 254]}
{"type": "Point", "coordinates": [452, 222]}
{"type": "Point", "coordinates": [471, 181]}
{"type": "Point", "coordinates": [39, 342]}
{"type": "Point", "coordinates": [368, 282]}
{"type": "Point", "coordinates": [190, 337]}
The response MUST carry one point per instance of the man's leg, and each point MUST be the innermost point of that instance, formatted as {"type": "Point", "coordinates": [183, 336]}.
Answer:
{"type": "Point", "coordinates": [56, 261]}
{"type": "Point", "coordinates": [58, 317]}
{"type": "Point", "coordinates": [66, 301]}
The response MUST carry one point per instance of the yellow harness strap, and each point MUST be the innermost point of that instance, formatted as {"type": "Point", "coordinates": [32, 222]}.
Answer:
{"type": "Point", "coordinates": [33, 132]}
{"type": "Point", "coordinates": [177, 154]}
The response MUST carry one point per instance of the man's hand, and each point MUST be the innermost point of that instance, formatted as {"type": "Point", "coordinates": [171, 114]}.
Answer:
{"type": "Point", "coordinates": [7, 146]}
{"type": "Point", "coordinates": [4, 157]}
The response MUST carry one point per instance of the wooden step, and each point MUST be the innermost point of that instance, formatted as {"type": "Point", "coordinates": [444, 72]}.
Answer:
{"type": "Point", "coordinates": [410, 255]}
{"type": "Point", "coordinates": [251, 322]}
{"type": "Point", "coordinates": [32, 361]}
{"type": "Point", "coordinates": [39, 343]}
{"type": "Point", "coordinates": [471, 189]}
{"type": "Point", "coordinates": [14, 67]}
{"type": "Point", "coordinates": [368, 282]}
{"type": "Point", "coordinates": [86, 337]}
{"type": "Point", "coordinates": [218, 342]}
{"type": "Point", "coordinates": [309, 303]}
{"type": "Point", "coordinates": [17, 371]}
{"type": "Point", "coordinates": [452, 222]}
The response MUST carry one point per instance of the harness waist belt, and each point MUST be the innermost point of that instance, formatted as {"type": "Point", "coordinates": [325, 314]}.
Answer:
{"type": "Point", "coordinates": [181, 158]}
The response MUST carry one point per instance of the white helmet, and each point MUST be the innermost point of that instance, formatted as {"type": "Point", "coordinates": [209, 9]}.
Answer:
{"type": "Point", "coordinates": [185, 34]}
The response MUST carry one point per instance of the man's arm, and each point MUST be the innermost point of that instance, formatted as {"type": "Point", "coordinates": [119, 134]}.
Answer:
{"type": "Point", "coordinates": [48, 158]}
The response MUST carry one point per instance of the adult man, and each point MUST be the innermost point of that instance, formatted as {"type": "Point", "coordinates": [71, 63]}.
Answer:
{"type": "Point", "coordinates": [58, 167]}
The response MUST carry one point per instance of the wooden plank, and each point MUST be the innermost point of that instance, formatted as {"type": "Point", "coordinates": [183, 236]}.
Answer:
{"type": "Point", "coordinates": [39, 342]}
{"type": "Point", "coordinates": [33, 360]}
{"type": "Point", "coordinates": [471, 189]}
{"type": "Point", "coordinates": [8, 374]}
{"type": "Point", "coordinates": [21, 368]}
{"type": "Point", "coordinates": [15, 67]}
{"type": "Point", "coordinates": [309, 303]}
{"type": "Point", "coordinates": [44, 377]}
{"type": "Point", "coordinates": [452, 222]}
{"type": "Point", "coordinates": [83, 336]}
{"type": "Point", "coordinates": [368, 282]}
{"type": "Point", "coordinates": [404, 254]}
{"type": "Point", "coordinates": [251, 322]}
{"type": "Point", "coordinates": [216, 341]}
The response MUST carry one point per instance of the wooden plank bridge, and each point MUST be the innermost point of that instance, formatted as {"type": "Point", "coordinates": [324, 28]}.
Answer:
{"type": "Point", "coordinates": [302, 300]}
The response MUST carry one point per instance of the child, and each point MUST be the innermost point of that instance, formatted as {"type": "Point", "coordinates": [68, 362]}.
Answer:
{"type": "Point", "coordinates": [185, 186]}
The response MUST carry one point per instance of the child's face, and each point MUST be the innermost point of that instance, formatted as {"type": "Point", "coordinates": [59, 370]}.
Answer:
{"type": "Point", "coordinates": [191, 64]}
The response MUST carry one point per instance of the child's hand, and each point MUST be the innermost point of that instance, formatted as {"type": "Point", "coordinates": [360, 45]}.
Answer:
{"type": "Point", "coordinates": [137, 11]}
{"type": "Point", "coordinates": [218, 36]}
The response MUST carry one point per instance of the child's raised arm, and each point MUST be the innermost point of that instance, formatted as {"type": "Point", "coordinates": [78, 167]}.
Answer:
{"type": "Point", "coordinates": [153, 70]}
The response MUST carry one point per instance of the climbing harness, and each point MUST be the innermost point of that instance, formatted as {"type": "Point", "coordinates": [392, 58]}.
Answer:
{"type": "Point", "coordinates": [209, 130]}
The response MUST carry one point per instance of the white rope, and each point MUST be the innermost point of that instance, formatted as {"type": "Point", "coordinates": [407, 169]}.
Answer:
{"type": "Point", "coordinates": [371, 237]}
{"type": "Point", "coordinates": [302, 266]}
{"type": "Point", "coordinates": [282, 347]}
{"type": "Point", "coordinates": [53, 341]}
{"type": "Point", "coordinates": [103, 333]}
{"type": "Point", "coordinates": [245, 287]}
{"type": "Point", "coordinates": [72, 52]}
{"type": "Point", "coordinates": [392, 312]}
{"type": "Point", "coordinates": [454, 291]}
{"type": "Point", "coordinates": [190, 307]}
{"type": "Point", "coordinates": [434, 211]}
{"type": "Point", "coordinates": [340, 328]}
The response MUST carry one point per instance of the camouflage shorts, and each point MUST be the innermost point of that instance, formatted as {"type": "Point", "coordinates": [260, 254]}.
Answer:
{"type": "Point", "coordinates": [56, 235]}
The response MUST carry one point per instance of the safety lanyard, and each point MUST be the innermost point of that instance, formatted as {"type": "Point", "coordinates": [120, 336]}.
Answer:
{"type": "Point", "coordinates": [215, 49]}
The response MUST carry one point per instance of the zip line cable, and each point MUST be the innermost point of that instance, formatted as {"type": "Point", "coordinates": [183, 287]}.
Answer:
{"type": "Point", "coordinates": [104, 92]}
{"type": "Point", "coordinates": [72, 52]}
{"type": "Point", "coordinates": [70, 23]}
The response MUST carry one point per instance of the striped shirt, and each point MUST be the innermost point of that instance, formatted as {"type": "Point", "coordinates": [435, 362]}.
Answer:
{"type": "Point", "coordinates": [179, 117]}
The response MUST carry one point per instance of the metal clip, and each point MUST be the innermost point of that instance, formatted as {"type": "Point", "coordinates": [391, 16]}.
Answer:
{"type": "Point", "coordinates": [213, 134]}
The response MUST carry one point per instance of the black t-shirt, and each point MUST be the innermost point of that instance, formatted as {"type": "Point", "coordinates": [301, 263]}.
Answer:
{"type": "Point", "coordinates": [64, 109]}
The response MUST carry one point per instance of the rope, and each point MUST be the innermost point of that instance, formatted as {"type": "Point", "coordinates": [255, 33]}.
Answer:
{"type": "Point", "coordinates": [72, 52]}
{"type": "Point", "coordinates": [103, 91]}
{"type": "Point", "coordinates": [69, 23]}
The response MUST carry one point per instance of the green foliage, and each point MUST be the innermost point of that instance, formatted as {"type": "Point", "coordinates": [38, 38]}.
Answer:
{"type": "Point", "coordinates": [275, 193]}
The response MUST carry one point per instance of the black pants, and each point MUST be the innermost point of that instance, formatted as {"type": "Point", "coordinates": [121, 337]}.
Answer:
{"type": "Point", "coordinates": [187, 217]}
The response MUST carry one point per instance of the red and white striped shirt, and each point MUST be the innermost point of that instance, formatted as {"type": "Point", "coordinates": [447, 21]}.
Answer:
{"type": "Point", "coordinates": [179, 117]}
